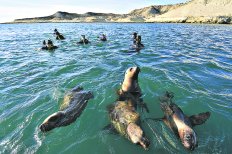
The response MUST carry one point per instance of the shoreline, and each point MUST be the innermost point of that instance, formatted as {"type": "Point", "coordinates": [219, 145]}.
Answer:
{"type": "Point", "coordinates": [203, 23]}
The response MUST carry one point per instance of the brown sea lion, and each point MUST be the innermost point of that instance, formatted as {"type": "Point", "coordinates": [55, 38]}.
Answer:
{"type": "Point", "coordinates": [181, 124]}
{"type": "Point", "coordinates": [130, 83]}
{"type": "Point", "coordinates": [125, 120]}
{"type": "Point", "coordinates": [74, 103]}
{"type": "Point", "coordinates": [130, 89]}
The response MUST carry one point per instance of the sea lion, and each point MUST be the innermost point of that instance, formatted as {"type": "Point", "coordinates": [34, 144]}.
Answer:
{"type": "Point", "coordinates": [135, 37]}
{"type": "Point", "coordinates": [138, 44]}
{"type": "Point", "coordinates": [74, 103]}
{"type": "Point", "coordinates": [125, 120]}
{"type": "Point", "coordinates": [103, 38]}
{"type": "Point", "coordinates": [181, 124]}
{"type": "Point", "coordinates": [83, 40]}
{"type": "Point", "coordinates": [130, 83]}
{"type": "Point", "coordinates": [58, 35]}
{"type": "Point", "coordinates": [48, 45]}
{"type": "Point", "coordinates": [130, 89]}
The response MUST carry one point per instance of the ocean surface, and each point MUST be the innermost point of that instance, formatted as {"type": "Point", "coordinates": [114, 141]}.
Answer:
{"type": "Point", "coordinates": [192, 60]}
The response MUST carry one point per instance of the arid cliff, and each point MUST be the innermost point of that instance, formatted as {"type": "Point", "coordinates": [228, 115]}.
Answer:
{"type": "Point", "coordinates": [195, 11]}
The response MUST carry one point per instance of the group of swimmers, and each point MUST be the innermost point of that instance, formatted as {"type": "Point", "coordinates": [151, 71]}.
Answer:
{"type": "Point", "coordinates": [48, 45]}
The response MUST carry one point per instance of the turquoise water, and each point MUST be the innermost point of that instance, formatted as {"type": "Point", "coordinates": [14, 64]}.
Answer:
{"type": "Point", "coordinates": [193, 61]}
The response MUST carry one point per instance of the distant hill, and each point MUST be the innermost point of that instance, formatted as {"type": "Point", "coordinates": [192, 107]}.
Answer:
{"type": "Point", "coordinates": [194, 11]}
{"type": "Point", "coordinates": [200, 11]}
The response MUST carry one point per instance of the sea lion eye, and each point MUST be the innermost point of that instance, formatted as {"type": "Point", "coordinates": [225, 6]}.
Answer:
{"type": "Point", "coordinates": [131, 69]}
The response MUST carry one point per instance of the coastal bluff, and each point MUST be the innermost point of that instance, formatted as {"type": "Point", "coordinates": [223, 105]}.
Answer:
{"type": "Point", "coordinates": [194, 11]}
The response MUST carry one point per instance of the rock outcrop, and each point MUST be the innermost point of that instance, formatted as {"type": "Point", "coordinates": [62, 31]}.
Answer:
{"type": "Point", "coordinates": [200, 11]}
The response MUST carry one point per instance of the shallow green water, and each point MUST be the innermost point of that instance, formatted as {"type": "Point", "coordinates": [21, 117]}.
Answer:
{"type": "Point", "coordinates": [193, 61]}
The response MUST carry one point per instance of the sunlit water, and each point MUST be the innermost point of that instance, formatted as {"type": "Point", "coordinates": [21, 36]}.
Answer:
{"type": "Point", "coordinates": [193, 61]}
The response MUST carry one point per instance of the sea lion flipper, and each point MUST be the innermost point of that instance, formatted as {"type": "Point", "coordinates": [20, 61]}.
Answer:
{"type": "Point", "coordinates": [199, 119]}
{"type": "Point", "coordinates": [166, 103]}
{"type": "Point", "coordinates": [77, 88]}
{"type": "Point", "coordinates": [143, 105]}
{"type": "Point", "coordinates": [110, 128]}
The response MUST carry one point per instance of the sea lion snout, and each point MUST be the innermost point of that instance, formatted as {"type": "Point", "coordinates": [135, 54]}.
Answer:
{"type": "Point", "coordinates": [136, 135]}
{"type": "Point", "coordinates": [45, 128]}
{"type": "Point", "coordinates": [52, 122]}
{"type": "Point", "coordinates": [132, 73]}
{"type": "Point", "coordinates": [189, 139]}
{"type": "Point", "coordinates": [145, 143]}
{"type": "Point", "coordinates": [138, 69]}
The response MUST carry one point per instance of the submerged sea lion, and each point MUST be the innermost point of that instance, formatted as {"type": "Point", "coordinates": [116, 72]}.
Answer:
{"type": "Point", "coordinates": [125, 120]}
{"type": "Point", "coordinates": [181, 124]}
{"type": "Point", "coordinates": [74, 103]}
{"type": "Point", "coordinates": [130, 89]}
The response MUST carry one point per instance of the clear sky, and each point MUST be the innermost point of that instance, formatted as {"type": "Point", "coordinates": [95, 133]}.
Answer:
{"type": "Point", "coordinates": [15, 9]}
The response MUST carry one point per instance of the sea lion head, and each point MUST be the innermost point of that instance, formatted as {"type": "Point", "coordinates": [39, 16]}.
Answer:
{"type": "Point", "coordinates": [130, 82]}
{"type": "Point", "coordinates": [136, 135]}
{"type": "Point", "coordinates": [188, 138]}
{"type": "Point", "coordinates": [53, 121]}
{"type": "Point", "coordinates": [132, 73]}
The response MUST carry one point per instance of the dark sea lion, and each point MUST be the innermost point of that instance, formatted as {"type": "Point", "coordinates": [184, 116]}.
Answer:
{"type": "Point", "coordinates": [83, 40]}
{"type": "Point", "coordinates": [74, 103]}
{"type": "Point", "coordinates": [125, 121]}
{"type": "Point", "coordinates": [138, 44]}
{"type": "Point", "coordinates": [135, 37]}
{"type": "Point", "coordinates": [48, 45]}
{"type": "Point", "coordinates": [181, 124]}
{"type": "Point", "coordinates": [103, 38]}
{"type": "Point", "coordinates": [130, 89]}
{"type": "Point", "coordinates": [58, 35]}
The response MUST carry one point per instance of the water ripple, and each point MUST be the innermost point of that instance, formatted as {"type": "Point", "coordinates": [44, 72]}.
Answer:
{"type": "Point", "coordinates": [193, 61]}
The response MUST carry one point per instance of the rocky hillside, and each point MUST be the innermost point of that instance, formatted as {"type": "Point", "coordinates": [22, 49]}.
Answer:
{"type": "Point", "coordinates": [194, 11]}
{"type": "Point", "coordinates": [64, 16]}
{"type": "Point", "coordinates": [154, 10]}
{"type": "Point", "coordinates": [200, 11]}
